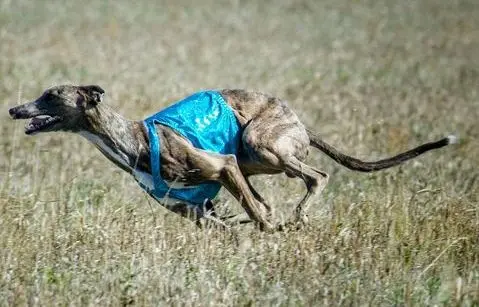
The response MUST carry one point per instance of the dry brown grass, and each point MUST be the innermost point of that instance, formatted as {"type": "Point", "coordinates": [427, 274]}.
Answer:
{"type": "Point", "coordinates": [373, 77]}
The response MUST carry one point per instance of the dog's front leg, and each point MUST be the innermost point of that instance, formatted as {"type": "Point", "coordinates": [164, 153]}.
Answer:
{"type": "Point", "coordinates": [225, 169]}
{"type": "Point", "coordinates": [202, 215]}
{"type": "Point", "coordinates": [234, 181]}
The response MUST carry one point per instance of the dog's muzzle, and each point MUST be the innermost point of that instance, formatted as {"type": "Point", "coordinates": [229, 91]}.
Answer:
{"type": "Point", "coordinates": [38, 121]}
{"type": "Point", "coordinates": [16, 113]}
{"type": "Point", "coordinates": [24, 111]}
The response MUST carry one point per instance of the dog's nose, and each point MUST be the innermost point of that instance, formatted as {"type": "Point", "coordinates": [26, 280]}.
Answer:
{"type": "Point", "coordinates": [13, 113]}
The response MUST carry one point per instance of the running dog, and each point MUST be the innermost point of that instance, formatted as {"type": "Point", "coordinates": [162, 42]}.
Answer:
{"type": "Point", "coordinates": [182, 155]}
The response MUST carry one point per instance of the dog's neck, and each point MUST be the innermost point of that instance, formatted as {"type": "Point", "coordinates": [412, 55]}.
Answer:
{"type": "Point", "coordinates": [123, 141]}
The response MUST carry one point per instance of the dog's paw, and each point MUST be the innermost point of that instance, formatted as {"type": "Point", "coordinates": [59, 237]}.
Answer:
{"type": "Point", "coordinates": [266, 227]}
{"type": "Point", "coordinates": [296, 223]}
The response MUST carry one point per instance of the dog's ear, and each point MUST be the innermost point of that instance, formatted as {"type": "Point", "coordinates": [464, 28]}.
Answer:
{"type": "Point", "coordinates": [91, 94]}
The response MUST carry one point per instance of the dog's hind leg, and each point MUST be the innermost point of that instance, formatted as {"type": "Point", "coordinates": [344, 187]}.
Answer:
{"type": "Point", "coordinates": [275, 146]}
{"type": "Point", "coordinates": [315, 181]}
{"type": "Point", "coordinates": [257, 195]}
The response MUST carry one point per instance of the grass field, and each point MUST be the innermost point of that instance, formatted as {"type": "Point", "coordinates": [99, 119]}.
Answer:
{"type": "Point", "coordinates": [372, 77]}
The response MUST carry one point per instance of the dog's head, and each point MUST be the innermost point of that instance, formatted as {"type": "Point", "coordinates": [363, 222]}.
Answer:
{"type": "Point", "coordinates": [60, 108]}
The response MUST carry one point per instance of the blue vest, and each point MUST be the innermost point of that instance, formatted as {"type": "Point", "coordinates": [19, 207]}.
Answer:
{"type": "Point", "coordinates": [208, 122]}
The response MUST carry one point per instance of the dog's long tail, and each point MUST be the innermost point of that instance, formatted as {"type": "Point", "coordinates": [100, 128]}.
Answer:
{"type": "Point", "coordinates": [358, 165]}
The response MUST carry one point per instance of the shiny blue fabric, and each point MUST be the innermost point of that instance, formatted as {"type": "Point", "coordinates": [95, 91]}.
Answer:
{"type": "Point", "coordinates": [209, 123]}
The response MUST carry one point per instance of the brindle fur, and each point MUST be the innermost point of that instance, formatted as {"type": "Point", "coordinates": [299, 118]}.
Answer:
{"type": "Point", "coordinates": [273, 141]}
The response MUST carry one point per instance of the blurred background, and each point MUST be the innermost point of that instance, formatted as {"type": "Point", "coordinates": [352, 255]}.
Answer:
{"type": "Point", "coordinates": [372, 77]}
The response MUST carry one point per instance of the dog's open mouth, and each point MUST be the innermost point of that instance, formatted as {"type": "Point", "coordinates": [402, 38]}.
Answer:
{"type": "Point", "coordinates": [41, 122]}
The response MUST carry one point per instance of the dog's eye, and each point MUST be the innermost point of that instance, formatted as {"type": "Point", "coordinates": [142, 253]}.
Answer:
{"type": "Point", "coordinates": [55, 93]}
{"type": "Point", "coordinates": [51, 95]}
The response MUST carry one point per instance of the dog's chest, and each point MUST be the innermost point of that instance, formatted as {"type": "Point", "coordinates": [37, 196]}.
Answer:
{"type": "Point", "coordinates": [146, 180]}
{"type": "Point", "coordinates": [113, 155]}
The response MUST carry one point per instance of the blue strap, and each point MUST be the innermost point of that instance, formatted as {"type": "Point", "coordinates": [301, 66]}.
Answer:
{"type": "Point", "coordinates": [155, 156]}
{"type": "Point", "coordinates": [208, 122]}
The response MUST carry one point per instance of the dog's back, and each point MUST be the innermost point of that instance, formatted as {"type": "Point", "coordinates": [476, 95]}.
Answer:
{"type": "Point", "coordinates": [248, 105]}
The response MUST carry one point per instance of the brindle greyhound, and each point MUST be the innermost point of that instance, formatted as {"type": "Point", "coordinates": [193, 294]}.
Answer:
{"type": "Point", "coordinates": [273, 141]}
